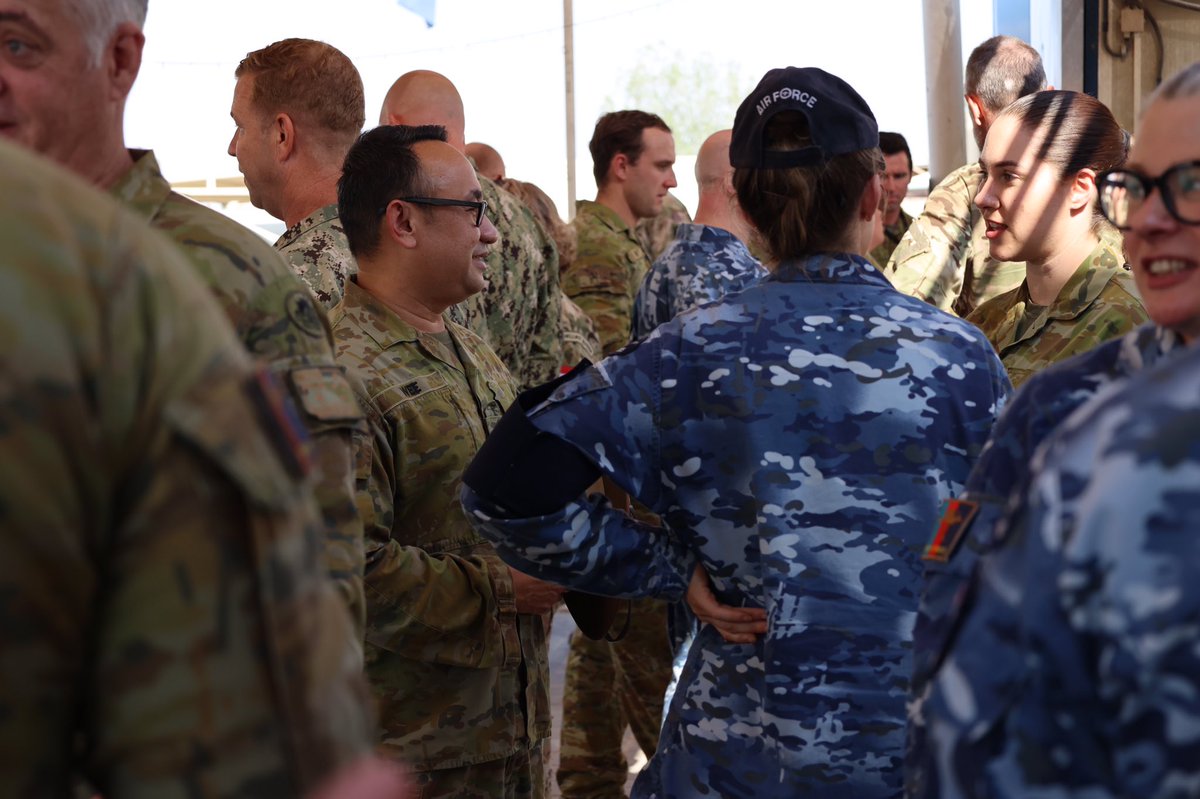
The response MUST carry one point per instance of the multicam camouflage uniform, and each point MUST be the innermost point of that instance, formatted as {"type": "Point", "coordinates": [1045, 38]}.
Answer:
{"type": "Point", "coordinates": [274, 316]}
{"type": "Point", "coordinates": [318, 252]}
{"type": "Point", "coordinates": [656, 232]}
{"type": "Point", "coordinates": [791, 498]}
{"type": "Point", "coordinates": [606, 272]}
{"type": "Point", "coordinates": [702, 264]}
{"type": "Point", "coordinates": [1073, 670]}
{"type": "Point", "coordinates": [167, 629]}
{"type": "Point", "coordinates": [1099, 302]}
{"type": "Point", "coordinates": [944, 257]}
{"type": "Point", "coordinates": [892, 234]}
{"type": "Point", "coordinates": [460, 678]}
{"type": "Point", "coordinates": [518, 314]}
{"type": "Point", "coordinates": [969, 529]}
{"type": "Point", "coordinates": [579, 337]}
{"type": "Point", "coordinates": [603, 279]}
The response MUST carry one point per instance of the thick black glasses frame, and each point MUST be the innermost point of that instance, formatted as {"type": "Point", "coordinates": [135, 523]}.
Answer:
{"type": "Point", "coordinates": [1148, 185]}
{"type": "Point", "coordinates": [479, 205]}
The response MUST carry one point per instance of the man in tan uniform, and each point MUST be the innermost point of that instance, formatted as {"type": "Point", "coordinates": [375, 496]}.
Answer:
{"type": "Point", "coordinates": [943, 258]}
{"type": "Point", "coordinates": [85, 57]}
{"type": "Point", "coordinates": [298, 106]}
{"type": "Point", "coordinates": [168, 629]}
{"type": "Point", "coordinates": [518, 313]}
{"type": "Point", "coordinates": [456, 643]}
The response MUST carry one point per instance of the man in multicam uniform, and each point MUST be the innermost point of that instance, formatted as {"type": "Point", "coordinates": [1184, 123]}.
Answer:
{"type": "Point", "coordinates": [633, 153]}
{"type": "Point", "coordinates": [707, 259]}
{"type": "Point", "coordinates": [456, 646]}
{"type": "Point", "coordinates": [168, 629]}
{"type": "Point", "coordinates": [757, 433]}
{"type": "Point", "coordinates": [897, 174]}
{"type": "Point", "coordinates": [1168, 135]}
{"type": "Point", "coordinates": [943, 258]}
{"type": "Point", "coordinates": [298, 107]}
{"type": "Point", "coordinates": [656, 232]}
{"type": "Point", "coordinates": [518, 313]}
{"type": "Point", "coordinates": [271, 311]}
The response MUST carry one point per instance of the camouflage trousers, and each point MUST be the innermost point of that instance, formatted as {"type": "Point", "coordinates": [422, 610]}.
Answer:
{"type": "Point", "coordinates": [636, 670]}
{"type": "Point", "coordinates": [521, 776]}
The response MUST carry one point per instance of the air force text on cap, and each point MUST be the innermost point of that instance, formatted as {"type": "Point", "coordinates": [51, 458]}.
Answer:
{"type": "Point", "coordinates": [786, 93]}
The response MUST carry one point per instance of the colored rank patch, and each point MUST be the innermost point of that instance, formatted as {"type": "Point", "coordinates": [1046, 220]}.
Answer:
{"type": "Point", "coordinates": [957, 515]}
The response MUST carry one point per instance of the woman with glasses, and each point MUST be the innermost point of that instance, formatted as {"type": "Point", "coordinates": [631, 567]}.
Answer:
{"type": "Point", "coordinates": [980, 658]}
{"type": "Point", "coordinates": [1038, 200]}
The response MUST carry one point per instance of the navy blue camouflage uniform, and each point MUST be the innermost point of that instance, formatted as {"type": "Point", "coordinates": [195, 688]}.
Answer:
{"type": "Point", "coordinates": [702, 264]}
{"type": "Point", "coordinates": [1034, 413]}
{"type": "Point", "coordinates": [1073, 668]}
{"type": "Point", "coordinates": [797, 439]}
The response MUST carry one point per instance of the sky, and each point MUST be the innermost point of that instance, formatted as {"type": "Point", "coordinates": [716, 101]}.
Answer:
{"type": "Point", "coordinates": [506, 58]}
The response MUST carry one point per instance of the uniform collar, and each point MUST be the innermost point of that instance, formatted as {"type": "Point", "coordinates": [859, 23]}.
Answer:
{"type": "Point", "coordinates": [603, 215]}
{"type": "Point", "coordinates": [143, 188]}
{"type": "Point", "coordinates": [319, 217]}
{"type": "Point", "coordinates": [837, 267]}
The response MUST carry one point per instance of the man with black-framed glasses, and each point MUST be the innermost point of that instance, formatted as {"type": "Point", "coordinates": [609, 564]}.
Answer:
{"type": "Point", "coordinates": [455, 642]}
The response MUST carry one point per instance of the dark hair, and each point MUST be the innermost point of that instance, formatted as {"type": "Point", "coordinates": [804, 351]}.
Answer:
{"type": "Point", "coordinates": [1003, 69]}
{"type": "Point", "coordinates": [307, 78]}
{"type": "Point", "coordinates": [892, 143]}
{"type": "Point", "coordinates": [380, 167]}
{"type": "Point", "coordinates": [803, 210]}
{"type": "Point", "coordinates": [620, 133]}
{"type": "Point", "coordinates": [1079, 132]}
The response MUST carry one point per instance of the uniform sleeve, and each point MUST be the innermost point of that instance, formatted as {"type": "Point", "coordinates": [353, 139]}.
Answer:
{"type": "Point", "coordinates": [930, 261]}
{"type": "Point", "coordinates": [453, 607]}
{"type": "Point", "coordinates": [546, 356]}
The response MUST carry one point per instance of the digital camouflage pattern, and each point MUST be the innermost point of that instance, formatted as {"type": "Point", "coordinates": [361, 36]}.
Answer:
{"type": "Point", "coordinates": [658, 231]}
{"type": "Point", "coordinates": [317, 250]}
{"type": "Point", "coordinates": [1074, 669]}
{"type": "Point", "coordinates": [459, 677]}
{"type": "Point", "coordinates": [606, 272]}
{"type": "Point", "coordinates": [168, 629]}
{"type": "Point", "coordinates": [579, 339]}
{"type": "Point", "coordinates": [892, 234]}
{"type": "Point", "coordinates": [797, 440]}
{"type": "Point", "coordinates": [702, 264]}
{"type": "Point", "coordinates": [1031, 417]}
{"type": "Point", "coordinates": [944, 257]}
{"type": "Point", "coordinates": [518, 314]}
{"type": "Point", "coordinates": [1099, 302]}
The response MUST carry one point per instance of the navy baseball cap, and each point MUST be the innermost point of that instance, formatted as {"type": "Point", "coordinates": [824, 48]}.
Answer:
{"type": "Point", "coordinates": [839, 120]}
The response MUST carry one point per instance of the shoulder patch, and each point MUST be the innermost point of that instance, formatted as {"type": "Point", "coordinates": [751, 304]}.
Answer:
{"type": "Point", "coordinates": [957, 515]}
{"type": "Point", "coordinates": [303, 313]}
{"type": "Point", "coordinates": [280, 422]}
{"type": "Point", "coordinates": [324, 393]}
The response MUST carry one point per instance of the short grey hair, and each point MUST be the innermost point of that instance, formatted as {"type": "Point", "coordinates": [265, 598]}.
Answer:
{"type": "Point", "coordinates": [99, 18]}
{"type": "Point", "coordinates": [1184, 83]}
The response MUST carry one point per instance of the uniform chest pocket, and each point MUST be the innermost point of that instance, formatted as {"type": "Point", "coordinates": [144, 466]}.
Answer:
{"type": "Point", "coordinates": [413, 389]}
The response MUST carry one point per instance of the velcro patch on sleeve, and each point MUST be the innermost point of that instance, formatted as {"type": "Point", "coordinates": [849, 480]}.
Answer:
{"type": "Point", "coordinates": [280, 423]}
{"type": "Point", "coordinates": [957, 515]}
{"type": "Point", "coordinates": [324, 393]}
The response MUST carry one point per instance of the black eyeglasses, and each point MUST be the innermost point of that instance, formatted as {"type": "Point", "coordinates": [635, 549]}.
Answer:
{"type": "Point", "coordinates": [479, 206]}
{"type": "Point", "coordinates": [1123, 191]}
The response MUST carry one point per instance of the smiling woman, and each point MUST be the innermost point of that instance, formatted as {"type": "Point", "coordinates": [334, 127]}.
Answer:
{"type": "Point", "coordinates": [1038, 200]}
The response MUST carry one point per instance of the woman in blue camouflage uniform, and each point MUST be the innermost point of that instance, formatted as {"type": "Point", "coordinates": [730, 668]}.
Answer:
{"type": "Point", "coordinates": [797, 439]}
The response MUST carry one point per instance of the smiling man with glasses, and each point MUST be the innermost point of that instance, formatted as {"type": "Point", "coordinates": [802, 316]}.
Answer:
{"type": "Point", "coordinates": [455, 643]}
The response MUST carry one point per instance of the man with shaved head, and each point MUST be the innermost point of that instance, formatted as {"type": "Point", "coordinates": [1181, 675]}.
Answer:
{"type": "Point", "coordinates": [708, 258]}
{"type": "Point", "coordinates": [518, 313]}
{"type": "Point", "coordinates": [298, 107]}
{"type": "Point", "coordinates": [487, 160]}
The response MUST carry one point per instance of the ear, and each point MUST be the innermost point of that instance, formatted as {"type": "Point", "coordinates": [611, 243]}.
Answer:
{"type": "Point", "coordinates": [124, 59]}
{"type": "Point", "coordinates": [283, 130]}
{"type": "Point", "coordinates": [1083, 189]}
{"type": "Point", "coordinates": [868, 203]}
{"type": "Point", "coordinates": [619, 167]}
{"type": "Point", "coordinates": [400, 224]}
{"type": "Point", "coordinates": [976, 110]}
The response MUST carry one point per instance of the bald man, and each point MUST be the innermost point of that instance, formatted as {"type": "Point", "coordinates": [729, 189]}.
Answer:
{"type": "Point", "coordinates": [708, 258]}
{"type": "Point", "coordinates": [487, 160]}
{"type": "Point", "coordinates": [518, 313]}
